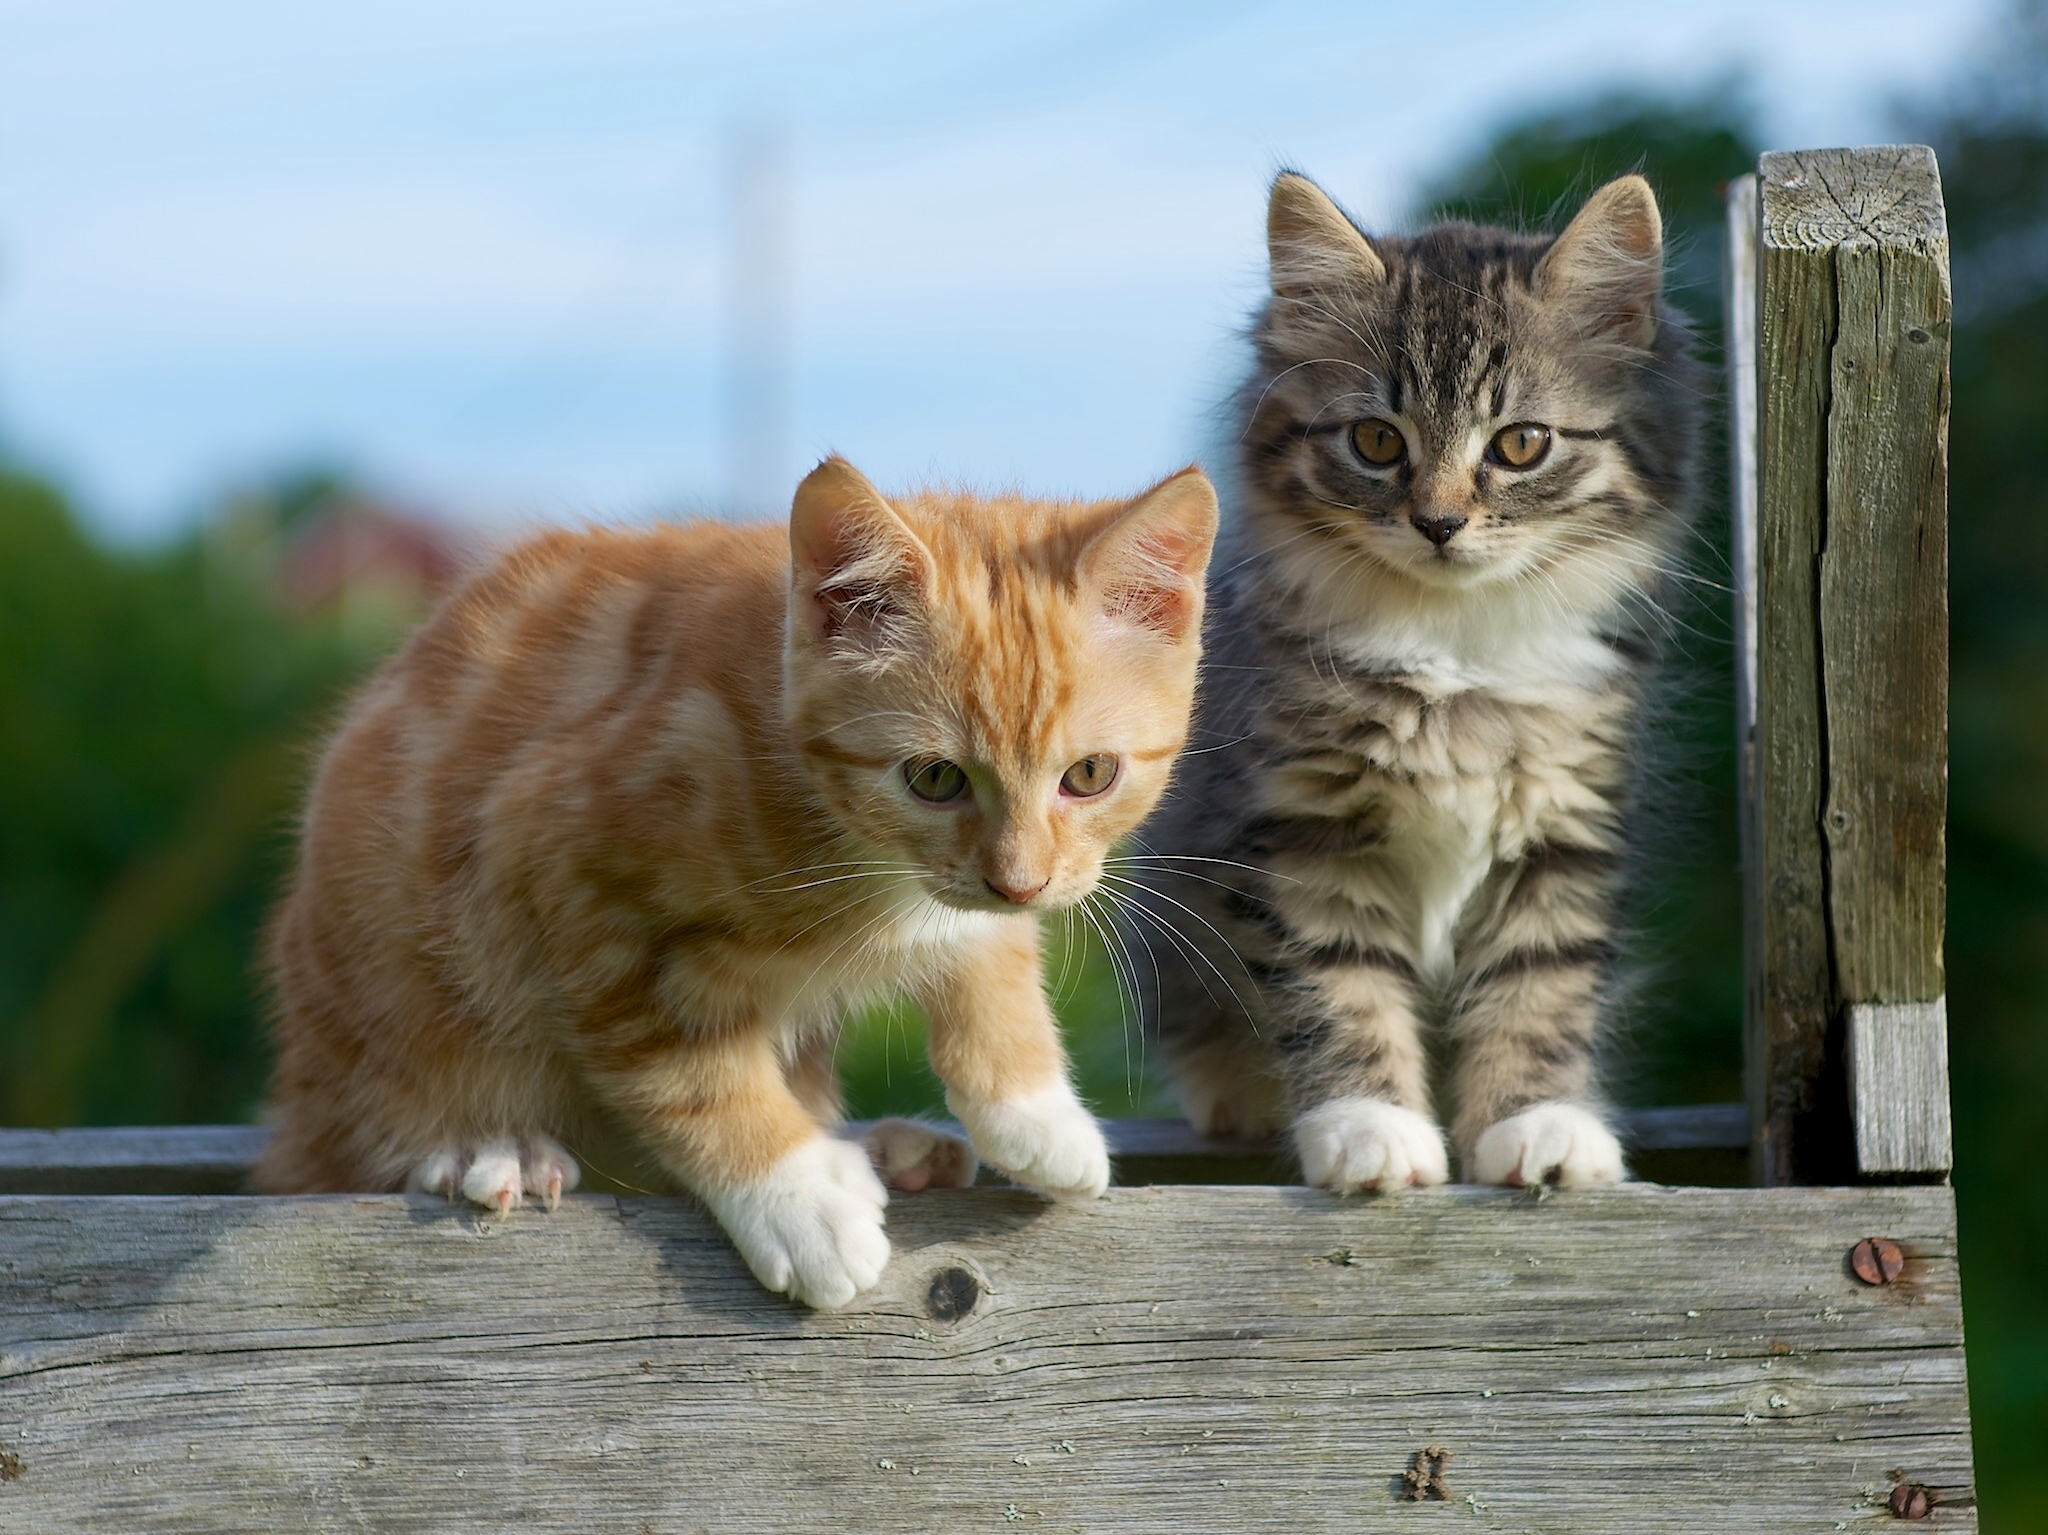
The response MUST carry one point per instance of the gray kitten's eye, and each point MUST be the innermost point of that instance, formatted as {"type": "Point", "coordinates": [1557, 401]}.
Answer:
{"type": "Point", "coordinates": [1090, 776]}
{"type": "Point", "coordinates": [938, 782]}
{"type": "Point", "coordinates": [1521, 446]}
{"type": "Point", "coordinates": [1378, 443]}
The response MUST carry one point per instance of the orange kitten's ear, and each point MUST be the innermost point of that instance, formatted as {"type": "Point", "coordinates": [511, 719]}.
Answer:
{"type": "Point", "coordinates": [856, 569]}
{"type": "Point", "coordinates": [1609, 262]}
{"type": "Point", "coordinates": [1310, 243]}
{"type": "Point", "coordinates": [1147, 564]}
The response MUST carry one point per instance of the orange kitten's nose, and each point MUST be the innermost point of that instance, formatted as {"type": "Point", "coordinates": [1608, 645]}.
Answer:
{"type": "Point", "coordinates": [1017, 895]}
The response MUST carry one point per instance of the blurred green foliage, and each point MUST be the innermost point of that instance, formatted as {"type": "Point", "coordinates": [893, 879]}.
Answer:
{"type": "Point", "coordinates": [1991, 133]}
{"type": "Point", "coordinates": [882, 1059]}
{"type": "Point", "coordinates": [155, 706]}
{"type": "Point", "coordinates": [1537, 171]}
{"type": "Point", "coordinates": [158, 703]}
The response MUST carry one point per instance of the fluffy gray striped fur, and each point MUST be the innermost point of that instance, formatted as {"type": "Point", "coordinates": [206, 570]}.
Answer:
{"type": "Point", "coordinates": [1395, 851]}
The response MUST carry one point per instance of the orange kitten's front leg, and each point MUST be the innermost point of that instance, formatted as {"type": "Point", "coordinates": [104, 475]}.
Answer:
{"type": "Point", "coordinates": [804, 1209]}
{"type": "Point", "coordinates": [995, 1046]}
{"type": "Point", "coordinates": [908, 1154]}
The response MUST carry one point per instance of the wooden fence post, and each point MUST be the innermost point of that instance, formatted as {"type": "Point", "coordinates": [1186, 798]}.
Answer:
{"type": "Point", "coordinates": [1845, 666]}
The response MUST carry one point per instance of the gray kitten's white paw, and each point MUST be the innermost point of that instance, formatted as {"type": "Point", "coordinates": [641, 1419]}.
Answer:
{"type": "Point", "coordinates": [812, 1227]}
{"type": "Point", "coordinates": [1350, 1144]}
{"type": "Point", "coordinates": [912, 1156]}
{"type": "Point", "coordinates": [1560, 1143]}
{"type": "Point", "coordinates": [498, 1174]}
{"type": "Point", "coordinates": [1044, 1140]}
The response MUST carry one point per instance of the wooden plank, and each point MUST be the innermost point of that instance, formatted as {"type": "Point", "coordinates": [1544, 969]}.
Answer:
{"type": "Point", "coordinates": [215, 1159]}
{"type": "Point", "coordinates": [1691, 1127]}
{"type": "Point", "coordinates": [1786, 1040]}
{"type": "Point", "coordinates": [1884, 574]}
{"type": "Point", "coordinates": [1851, 687]}
{"type": "Point", "coordinates": [1241, 1360]}
{"type": "Point", "coordinates": [155, 1159]}
{"type": "Point", "coordinates": [1890, 1044]}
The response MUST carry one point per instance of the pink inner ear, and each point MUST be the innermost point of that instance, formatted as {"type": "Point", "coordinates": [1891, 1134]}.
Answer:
{"type": "Point", "coordinates": [1153, 583]}
{"type": "Point", "coordinates": [857, 569]}
{"type": "Point", "coordinates": [853, 563]}
{"type": "Point", "coordinates": [1166, 609]}
{"type": "Point", "coordinates": [840, 606]}
{"type": "Point", "coordinates": [1146, 566]}
{"type": "Point", "coordinates": [865, 596]}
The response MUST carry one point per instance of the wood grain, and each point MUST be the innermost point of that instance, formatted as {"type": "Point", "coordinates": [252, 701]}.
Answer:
{"type": "Point", "coordinates": [1884, 581]}
{"type": "Point", "coordinates": [1894, 1043]}
{"type": "Point", "coordinates": [1795, 329]}
{"type": "Point", "coordinates": [1636, 1359]}
{"type": "Point", "coordinates": [1852, 646]}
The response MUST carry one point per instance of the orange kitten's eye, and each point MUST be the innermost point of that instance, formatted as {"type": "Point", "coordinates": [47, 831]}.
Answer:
{"type": "Point", "coordinates": [1521, 446]}
{"type": "Point", "coordinates": [937, 782]}
{"type": "Point", "coordinates": [1090, 776]}
{"type": "Point", "coordinates": [1378, 443]}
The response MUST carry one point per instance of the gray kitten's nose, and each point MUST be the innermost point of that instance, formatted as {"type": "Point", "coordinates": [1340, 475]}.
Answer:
{"type": "Point", "coordinates": [1439, 530]}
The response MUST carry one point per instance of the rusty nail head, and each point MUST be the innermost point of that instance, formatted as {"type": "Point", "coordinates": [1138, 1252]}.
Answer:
{"type": "Point", "coordinates": [1423, 1481]}
{"type": "Point", "coordinates": [1909, 1500]}
{"type": "Point", "coordinates": [1877, 1260]}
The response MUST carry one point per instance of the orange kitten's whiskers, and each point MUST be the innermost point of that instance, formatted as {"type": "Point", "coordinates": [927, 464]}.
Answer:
{"type": "Point", "coordinates": [1181, 944]}
{"type": "Point", "coordinates": [1126, 969]}
{"type": "Point", "coordinates": [1127, 900]}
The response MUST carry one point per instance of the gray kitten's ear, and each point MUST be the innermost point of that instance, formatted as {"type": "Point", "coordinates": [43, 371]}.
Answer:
{"type": "Point", "coordinates": [856, 569]}
{"type": "Point", "coordinates": [1311, 244]}
{"type": "Point", "coordinates": [1609, 262]}
{"type": "Point", "coordinates": [1146, 563]}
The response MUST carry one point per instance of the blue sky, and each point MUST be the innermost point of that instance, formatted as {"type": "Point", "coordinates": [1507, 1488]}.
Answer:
{"type": "Point", "coordinates": [479, 253]}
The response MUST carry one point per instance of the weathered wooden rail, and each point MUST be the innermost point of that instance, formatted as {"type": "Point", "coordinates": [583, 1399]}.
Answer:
{"type": "Point", "coordinates": [215, 1159]}
{"type": "Point", "coordinates": [1173, 1358]}
{"type": "Point", "coordinates": [1842, 508]}
{"type": "Point", "coordinates": [1186, 1355]}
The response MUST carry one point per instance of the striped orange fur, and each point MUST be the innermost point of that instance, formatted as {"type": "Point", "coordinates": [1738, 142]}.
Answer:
{"type": "Point", "coordinates": [603, 856]}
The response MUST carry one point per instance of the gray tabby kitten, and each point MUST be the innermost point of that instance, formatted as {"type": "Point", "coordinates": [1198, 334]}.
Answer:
{"type": "Point", "coordinates": [1467, 460]}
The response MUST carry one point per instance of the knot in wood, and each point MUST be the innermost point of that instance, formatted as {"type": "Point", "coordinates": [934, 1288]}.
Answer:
{"type": "Point", "coordinates": [1909, 1500]}
{"type": "Point", "coordinates": [1877, 1260]}
{"type": "Point", "coordinates": [952, 1295]}
{"type": "Point", "coordinates": [1423, 1481]}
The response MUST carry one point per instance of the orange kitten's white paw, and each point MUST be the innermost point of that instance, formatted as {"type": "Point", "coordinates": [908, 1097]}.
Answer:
{"type": "Point", "coordinates": [440, 1173]}
{"type": "Point", "coordinates": [1560, 1143]}
{"type": "Point", "coordinates": [1044, 1140]}
{"type": "Point", "coordinates": [498, 1174]}
{"type": "Point", "coordinates": [1350, 1144]}
{"type": "Point", "coordinates": [912, 1156]}
{"type": "Point", "coordinates": [813, 1226]}
{"type": "Point", "coordinates": [1217, 1101]}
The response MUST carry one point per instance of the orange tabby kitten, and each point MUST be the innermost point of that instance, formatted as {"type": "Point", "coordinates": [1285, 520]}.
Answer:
{"type": "Point", "coordinates": [616, 840]}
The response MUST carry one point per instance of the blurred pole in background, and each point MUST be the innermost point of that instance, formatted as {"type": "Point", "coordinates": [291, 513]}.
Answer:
{"type": "Point", "coordinates": [756, 368]}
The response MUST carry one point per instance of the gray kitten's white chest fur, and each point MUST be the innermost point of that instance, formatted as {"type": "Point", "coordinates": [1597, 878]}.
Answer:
{"type": "Point", "coordinates": [1468, 744]}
